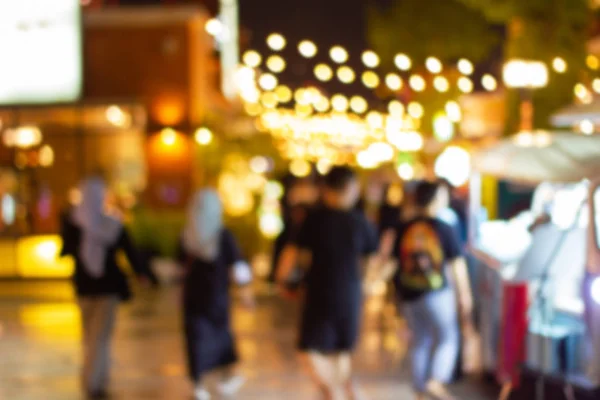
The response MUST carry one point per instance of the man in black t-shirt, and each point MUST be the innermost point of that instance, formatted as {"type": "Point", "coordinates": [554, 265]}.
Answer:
{"type": "Point", "coordinates": [330, 246]}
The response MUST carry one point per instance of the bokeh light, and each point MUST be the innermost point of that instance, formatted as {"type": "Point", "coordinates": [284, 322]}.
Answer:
{"type": "Point", "coordinates": [370, 79]}
{"type": "Point", "coordinates": [276, 42]}
{"type": "Point", "coordinates": [559, 65]}
{"type": "Point", "coordinates": [403, 62]}
{"type": "Point", "coordinates": [358, 104]}
{"type": "Point", "coordinates": [276, 63]}
{"type": "Point", "coordinates": [339, 103]}
{"type": "Point", "coordinates": [454, 164]}
{"type": "Point", "coordinates": [416, 110]}
{"type": "Point", "coordinates": [307, 49]}
{"type": "Point", "coordinates": [465, 66]}
{"type": "Point", "coordinates": [338, 54]}
{"type": "Point", "coordinates": [252, 59]}
{"type": "Point", "coordinates": [346, 74]}
{"type": "Point", "coordinates": [370, 59]}
{"type": "Point", "coordinates": [489, 83]}
{"type": "Point", "coordinates": [203, 136]}
{"type": "Point", "coordinates": [465, 85]}
{"type": "Point", "coordinates": [417, 83]}
{"type": "Point", "coordinates": [441, 84]}
{"type": "Point", "coordinates": [396, 108]}
{"type": "Point", "coordinates": [283, 93]}
{"type": "Point", "coordinates": [267, 81]}
{"type": "Point", "coordinates": [323, 72]}
{"type": "Point", "coordinates": [433, 65]}
{"type": "Point", "coordinates": [300, 168]}
{"type": "Point", "coordinates": [393, 82]}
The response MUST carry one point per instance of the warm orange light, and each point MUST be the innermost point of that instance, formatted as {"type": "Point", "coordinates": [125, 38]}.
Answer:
{"type": "Point", "coordinates": [168, 136]}
{"type": "Point", "coordinates": [169, 111]}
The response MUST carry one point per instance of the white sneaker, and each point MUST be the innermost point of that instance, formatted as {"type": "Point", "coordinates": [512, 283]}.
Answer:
{"type": "Point", "coordinates": [201, 394]}
{"type": "Point", "coordinates": [232, 385]}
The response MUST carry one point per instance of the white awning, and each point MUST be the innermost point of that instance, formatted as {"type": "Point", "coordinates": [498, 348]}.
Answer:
{"type": "Point", "coordinates": [574, 114]}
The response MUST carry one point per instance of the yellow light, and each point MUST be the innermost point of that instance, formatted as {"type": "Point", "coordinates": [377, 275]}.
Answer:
{"type": "Point", "coordinates": [214, 27]}
{"type": "Point", "coordinates": [443, 128]}
{"type": "Point", "coordinates": [322, 104]}
{"type": "Point", "coordinates": [46, 156]}
{"type": "Point", "coordinates": [441, 84]}
{"type": "Point", "coordinates": [323, 166]}
{"type": "Point", "coordinates": [300, 168]}
{"type": "Point", "coordinates": [382, 151]}
{"type": "Point", "coordinates": [453, 111]}
{"type": "Point", "coordinates": [276, 63]}
{"type": "Point", "coordinates": [525, 74]}
{"type": "Point", "coordinates": [410, 141]}
{"type": "Point", "coordinates": [582, 92]}
{"type": "Point", "coordinates": [417, 83]}
{"type": "Point", "coordinates": [560, 65]}
{"type": "Point", "coordinates": [366, 160]}
{"type": "Point", "coordinates": [396, 108]}
{"type": "Point", "coordinates": [416, 110]}
{"type": "Point", "coordinates": [252, 59]}
{"type": "Point", "coordinates": [270, 225]}
{"type": "Point", "coordinates": [283, 93]}
{"type": "Point", "coordinates": [454, 164]}
{"type": "Point", "coordinates": [358, 104]}
{"type": "Point", "coordinates": [403, 62]}
{"type": "Point", "coordinates": [370, 59]}
{"type": "Point", "coordinates": [465, 66]}
{"type": "Point", "coordinates": [592, 62]}
{"type": "Point", "coordinates": [346, 75]}
{"type": "Point", "coordinates": [338, 54]}
{"type": "Point", "coordinates": [465, 85]}
{"type": "Point", "coordinates": [259, 164]}
{"type": "Point", "coordinates": [307, 49]}
{"type": "Point", "coordinates": [489, 83]}
{"type": "Point", "coordinates": [587, 127]}
{"type": "Point", "coordinates": [370, 79]}
{"type": "Point", "coordinates": [267, 81]}
{"type": "Point", "coordinates": [406, 171]}
{"type": "Point", "coordinates": [339, 103]}
{"type": "Point", "coordinates": [433, 65]}
{"type": "Point", "coordinates": [168, 136]}
{"type": "Point", "coordinates": [302, 96]}
{"type": "Point", "coordinates": [203, 136]}
{"type": "Point", "coordinates": [323, 72]}
{"type": "Point", "coordinates": [303, 110]}
{"type": "Point", "coordinates": [393, 82]}
{"type": "Point", "coordinates": [253, 109]}
{"type": "Point", "coordinates": [596, 85]}
{"type": "Point", "coordinates": [269, 100]}
{"type": "Point", "coordinates": [276, 41]}
{"type": "Point", "coordinates": [37, 257]}
{"type": "Point", "coordinates": [375, 120]}
{"type": "Point", "coordinates": [117, 117]}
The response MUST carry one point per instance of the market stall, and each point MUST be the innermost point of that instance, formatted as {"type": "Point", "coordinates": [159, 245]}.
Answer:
{"type": "Point", "coordinates": [538, 281]}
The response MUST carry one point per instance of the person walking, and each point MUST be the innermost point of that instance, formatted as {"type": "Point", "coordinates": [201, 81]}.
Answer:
{"type": "Point", "coordinates": [329, 247]}
{"type": "Point", "coordinates": [210, 255]}
{"type": "Point", "coordinates": [432, 281]}
{"type": "Point", "coordinates": [93, 238]}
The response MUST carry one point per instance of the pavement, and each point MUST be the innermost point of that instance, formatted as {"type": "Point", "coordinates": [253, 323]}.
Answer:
{"type": "Point", "coordinates": [40, 351]}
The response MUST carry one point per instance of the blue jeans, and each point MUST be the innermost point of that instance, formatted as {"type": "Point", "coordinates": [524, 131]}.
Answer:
{"type": "Point", "coordinates": [433, 321]}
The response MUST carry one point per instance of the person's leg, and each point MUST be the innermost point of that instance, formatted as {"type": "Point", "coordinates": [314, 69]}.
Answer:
{"type": "Point", "coordinates": [324, 370]}
{"type": "Point", "coordinates": [421, 343]}
{"type": "Point", "coordinates": [443, 310]}
{"type": "Point", "coordinates": [86, 310]}
{"type": "Point", "coordinates": [192, 337]}
{"type": "Point", "coordinates": [104, 313]}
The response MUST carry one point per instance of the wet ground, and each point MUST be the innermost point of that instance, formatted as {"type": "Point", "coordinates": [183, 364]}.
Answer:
{"type": "Point", "coordinates": [39, 348]}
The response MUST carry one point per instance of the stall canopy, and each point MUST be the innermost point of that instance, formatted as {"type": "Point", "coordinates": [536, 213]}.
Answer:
{"type": "Point", "coordinates": [574, 114]}
{"type": "Point", "coordinates": [532, 158]}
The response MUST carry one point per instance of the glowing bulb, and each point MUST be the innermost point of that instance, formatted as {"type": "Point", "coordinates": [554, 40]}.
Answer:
{"type": "Point", "coordinates": [307, 49]}
{"type": "Point", "coordinates": [252, 59]}
{"type": "Point", "coordinates": [465, 85]}
{"type": "Point", "coordinates": [203, 136]}
{"type": "Point", "coordinates": [358, 104]}
{"type": "Point", "coordinates": [339, 103]}
{"type": "Point", "coordinates": [322, 104]}
{"type": "Point", "coordinates": [433, 65]}
{"type": "Point", "coordinates": [396, 108]}
{"type": "Point", "coordinates": [338, 54]}
{"type": "Point", "coordinates": [370, 59]}
{"type": "Point", "coordinates": [489, 83]}
{"type": "Point", "coordinates": [417, 83]}
{"type": "Point", "coordinates": [276, 41]}
{"type": "Point", "coordinates": [453, 111]}
{"type": "Point", "coordinates": [346, 74]}
{"type": "Point", "coordinates": [375, 120]}
{"type": "Point", "coordinates": [454, 164]}
{"type": "Point", "coordinates": [443, 128]}
{"type": "Point", "coordinates": [560, 65]}
{"type": "Point", "coordinates": [586, 127]}
{"type": "Point", "coordinates": [406, 171]}
{"type": "Point", "coordinates": [283, 93]}
{"type": "Point", "coordinates": [168, 136]}
{"type": "Point", "coordinates": [276, 64]}
{"type": "Point", "coordinates": [214, 27]}
{"type": "Point", "coordinates": [416, 110]}
{"type": "Point", "coordinates": [370, 79]}
{"type": "Point", "coordinates": [323, 72]}
{"type": "Point", "coordinates": [403, 62]}
{"type": "Point", "coordinates": [596, 85]}
{"type": "Point", "coordinates": [592, 62]}
{"type": "Point", "coordinates": [441, 84]}
{"type": "Point", "coordinates": [267, 81]}
{"type": "Point", "coordinates": [465, 66]}
{"type": "Point", "coordinates": [393, 82]}
{"type": "Point", "coordinates": [582, 93]}
{"type": "Point", "coordinates": [300, 168]}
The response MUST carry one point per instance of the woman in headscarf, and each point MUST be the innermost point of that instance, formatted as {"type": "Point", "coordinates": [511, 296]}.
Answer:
{"type": "Point", "coordinates": [93, 238]}
{"type": "Point", "coordinates": [210, 254]}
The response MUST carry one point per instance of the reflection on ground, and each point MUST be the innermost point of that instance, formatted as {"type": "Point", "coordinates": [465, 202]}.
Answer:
{"type": "Point", "coordinates": [39, 348]}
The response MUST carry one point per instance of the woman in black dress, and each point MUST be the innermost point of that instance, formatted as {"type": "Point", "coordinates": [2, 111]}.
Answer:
{"type": "Point", "coordinates": [212, 260]}
{"type": "Point", "coordinates": [93, 238]}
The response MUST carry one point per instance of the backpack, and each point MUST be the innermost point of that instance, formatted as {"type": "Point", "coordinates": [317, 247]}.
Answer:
{"type": "Point", "coordinates": [421, 257]}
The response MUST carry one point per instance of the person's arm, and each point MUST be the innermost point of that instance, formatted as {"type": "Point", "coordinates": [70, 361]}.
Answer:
{"type": "Point", "coordinates": [291, 257]}
{"type": "Point", "coordinates": [463, 289]}
{"type": "Point", "coordinates": [240, 270]}
{"type": "Point", "coordinates": [126, 244]}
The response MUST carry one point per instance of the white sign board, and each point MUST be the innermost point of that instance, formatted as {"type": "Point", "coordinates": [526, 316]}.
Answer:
{"type": "Point", "coordinates": [40, 51]}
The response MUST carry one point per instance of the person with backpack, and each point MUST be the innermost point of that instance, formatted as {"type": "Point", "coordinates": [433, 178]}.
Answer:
{"type": "Point", "coordinates": [432, 282]}
{"type": "Point", "coordinates": [212, 260]}
{"type": "Point", "coordinates": [330, 246]}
